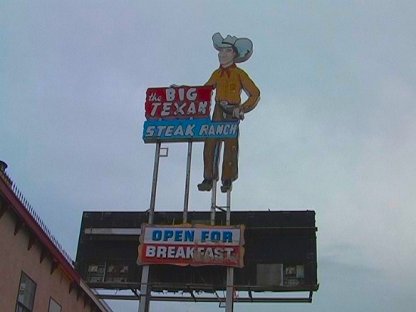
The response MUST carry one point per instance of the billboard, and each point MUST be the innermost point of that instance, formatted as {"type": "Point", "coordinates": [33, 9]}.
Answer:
{"type": "Point", "coordinates": [178, 102]}
{"type": "Point", "coordinates": [279, 251]}
{"type": "Point", "coordinates": [179, 114]}
{"type": "Point", "coordinates": [195, 245]}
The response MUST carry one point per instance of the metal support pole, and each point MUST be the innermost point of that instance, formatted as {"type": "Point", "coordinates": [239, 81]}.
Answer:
{"type": "Point", "coordinates": [229, 299]}
{"type": "Point", "coordinates": [144, 285]}
{"type": "Point", "coordinates": [213, 201]}
{"type": "Point", "coordinates": [144, 290]}
{"type": "Point", "coordinates": [228, 217]}
{"type": "Point", "coordinates": [154, 183]}
{"type": "Point", "coordinates": [214, 185]}
{"type": "Point", "coordinates": [187, 180]}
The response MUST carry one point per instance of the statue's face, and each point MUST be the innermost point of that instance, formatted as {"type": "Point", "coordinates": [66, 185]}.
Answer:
{"type": "Point", "coordinates": [226, 56]}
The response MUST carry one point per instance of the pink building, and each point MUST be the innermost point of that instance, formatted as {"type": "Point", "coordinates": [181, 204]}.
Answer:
{"type": "Point", "coordinates": [36, 274]}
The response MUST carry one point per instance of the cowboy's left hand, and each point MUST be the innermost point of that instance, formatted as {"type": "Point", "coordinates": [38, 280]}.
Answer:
{"type": "Point", "coordinates": [238, 113]}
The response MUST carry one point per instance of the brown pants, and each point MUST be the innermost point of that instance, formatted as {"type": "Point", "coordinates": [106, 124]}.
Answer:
{"type": "Point", "coordinates": [212, 149]}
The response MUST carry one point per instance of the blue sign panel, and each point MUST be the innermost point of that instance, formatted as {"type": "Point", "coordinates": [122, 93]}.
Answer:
{"type": "Point", "coordinates": [179, 130]}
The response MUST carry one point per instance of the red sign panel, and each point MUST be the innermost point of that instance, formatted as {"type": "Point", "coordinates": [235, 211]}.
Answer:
{"type": "Point", "coordinates": [192, 245]}
{"type": "Point", "coordinates": [183, 102]}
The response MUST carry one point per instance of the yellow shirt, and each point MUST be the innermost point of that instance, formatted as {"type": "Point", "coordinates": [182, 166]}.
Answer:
{"type": "Point", "coordinates": [229, 82]}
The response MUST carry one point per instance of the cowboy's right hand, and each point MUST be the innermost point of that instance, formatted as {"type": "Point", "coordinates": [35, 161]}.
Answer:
{"type": "Point", "coordinates": [227, 108]}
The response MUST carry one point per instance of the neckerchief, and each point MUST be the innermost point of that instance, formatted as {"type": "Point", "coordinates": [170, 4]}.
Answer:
{"type": "Point", "coordinates": [227, 70]}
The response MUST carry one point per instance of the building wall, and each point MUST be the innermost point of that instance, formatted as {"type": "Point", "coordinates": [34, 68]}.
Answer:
{"type": "Point", "coordinates": [15, 258]}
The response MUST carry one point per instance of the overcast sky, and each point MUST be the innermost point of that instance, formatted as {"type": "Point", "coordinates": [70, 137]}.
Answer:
{"type": "Point", "coordinates": [334, 131]}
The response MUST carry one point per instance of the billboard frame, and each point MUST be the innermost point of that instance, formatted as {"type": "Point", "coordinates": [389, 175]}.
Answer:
{"type": "Point", "coordinates": [293, 227]}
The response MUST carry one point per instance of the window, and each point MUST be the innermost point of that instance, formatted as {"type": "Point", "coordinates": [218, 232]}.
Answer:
{"type": "Point", "coordinates": [54, 306]}
{"type": "Point", "coordinates": [26, 295]}
{"type": "Point", "coordinates": [269, 274]}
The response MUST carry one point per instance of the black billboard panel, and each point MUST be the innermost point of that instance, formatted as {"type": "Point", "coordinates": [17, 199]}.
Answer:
{"type": "Point", "coordinates": [280, 252]}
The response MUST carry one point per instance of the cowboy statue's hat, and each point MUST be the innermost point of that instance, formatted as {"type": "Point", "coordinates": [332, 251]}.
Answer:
{"type": "Point", "coordinates": [242, 46]}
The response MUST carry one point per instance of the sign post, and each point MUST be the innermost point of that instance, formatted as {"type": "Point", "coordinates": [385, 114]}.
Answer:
{"type": "Point", "coordinates": [187, 182]}
{"type": "Point", "coordinates": [183, 114]}
{"type": "Point", "coordinates": [229, 302]}
{"type": "Point", "coordinates": [144, 285]}
{"type": "Point", "coordinates": [180, 114]}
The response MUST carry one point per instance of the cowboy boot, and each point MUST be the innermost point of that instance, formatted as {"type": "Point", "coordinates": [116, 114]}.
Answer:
{"type": "Point", "coordinates": [205, 185]}
{"type": "Point", "coordinates": [226, 186]}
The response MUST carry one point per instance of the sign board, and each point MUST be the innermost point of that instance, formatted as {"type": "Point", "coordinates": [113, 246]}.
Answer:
{"type": "Point", "coordinates": [279, 251]}
{"type": "Point", "coordinates": [178, 114]}
{"type": "Point", "coordinates": [187, 130]}
{"type": "Point", "coordinates": [178, 102]}
{"type": "Point", "coordinates": [192, 245]}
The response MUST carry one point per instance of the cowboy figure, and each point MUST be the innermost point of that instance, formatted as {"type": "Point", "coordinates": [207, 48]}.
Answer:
{"type": "Point", "coordinates": [228, 81]}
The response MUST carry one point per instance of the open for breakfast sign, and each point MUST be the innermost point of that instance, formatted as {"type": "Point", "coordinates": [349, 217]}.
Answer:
{"type": "Point", "coordinates": [195, 245]}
